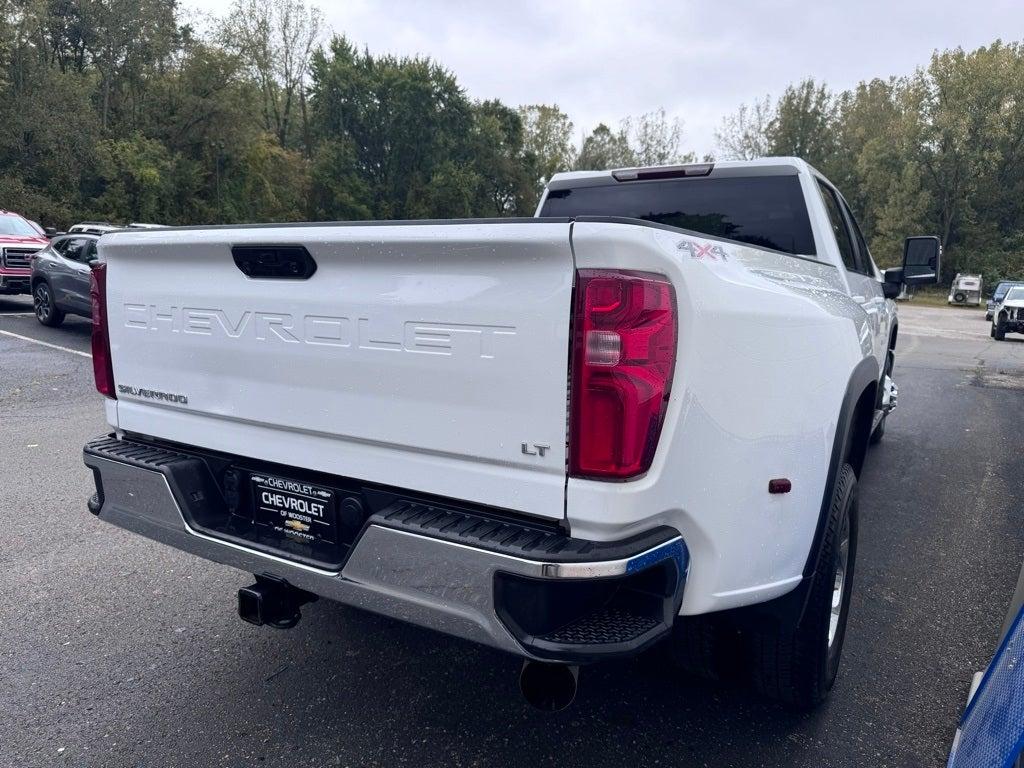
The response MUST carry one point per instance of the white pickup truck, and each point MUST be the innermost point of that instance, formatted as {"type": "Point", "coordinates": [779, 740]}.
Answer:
{"type": "Point", "coordinates": [637, 417]}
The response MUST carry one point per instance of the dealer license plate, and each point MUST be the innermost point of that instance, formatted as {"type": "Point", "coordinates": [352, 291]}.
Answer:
{"type": "Point", "coordinates": [301, 511]}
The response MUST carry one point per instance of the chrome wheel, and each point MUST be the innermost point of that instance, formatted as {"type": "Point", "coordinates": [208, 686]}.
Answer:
{"type": "Point", "coordinates": [41, 303]}
{"type": "Point", "coordinates": [839, 580]}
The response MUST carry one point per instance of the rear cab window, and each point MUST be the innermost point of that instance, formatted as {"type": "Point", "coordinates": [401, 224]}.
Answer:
{"type": "Point", "coordinates": [764, 211]}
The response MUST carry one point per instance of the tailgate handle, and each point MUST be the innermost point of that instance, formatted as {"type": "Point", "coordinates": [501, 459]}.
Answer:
{"type": "Point", "coordinates": [282, 262]}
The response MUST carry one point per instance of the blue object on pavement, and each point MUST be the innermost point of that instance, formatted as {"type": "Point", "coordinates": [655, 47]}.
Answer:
{"type": "Point", "coordinates": [991, 731]}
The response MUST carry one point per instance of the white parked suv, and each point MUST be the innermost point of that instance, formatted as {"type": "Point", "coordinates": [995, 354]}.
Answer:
{"type": "Point", "coordinates": [638, 417]}
{"type": "Point", "coordinates": [1008, 314]}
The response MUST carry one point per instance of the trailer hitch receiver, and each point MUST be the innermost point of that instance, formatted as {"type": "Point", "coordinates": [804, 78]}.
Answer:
{"type": "Point", "coordinates": [272, 601]}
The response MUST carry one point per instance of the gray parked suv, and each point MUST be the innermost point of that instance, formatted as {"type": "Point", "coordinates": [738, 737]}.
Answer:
{"type": "Point", "coordinates": [60, 278]}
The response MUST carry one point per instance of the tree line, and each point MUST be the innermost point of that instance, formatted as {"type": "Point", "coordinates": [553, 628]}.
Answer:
{"type": "Point", "coordinates": [128, 110]}
{"type": "Point", "coordinates": [940, 151]}
{"type": "Point", "coordinates": [124, 110]}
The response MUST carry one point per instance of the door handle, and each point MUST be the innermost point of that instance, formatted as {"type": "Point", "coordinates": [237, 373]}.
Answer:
{"type": "Point", "coordinates": [282, 262]}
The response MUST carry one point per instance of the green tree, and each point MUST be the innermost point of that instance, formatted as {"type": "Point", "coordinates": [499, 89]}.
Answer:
{"type": "Point", "coordinates": [399, 121]}
{"type": "Point", "coordinates": [804, 124]}
{"type": "Point", "coordinates": [504, 186]}
{"type": "Point", "coordinates": [974, 130]}
{"type": "Point", "coordinates": [650, 139]}
{"type": "Point", "coordinates": [878, 132]}
{"type": "Point", "coordinates": [743, 135]}
{"type": "Point", "coordinates": [339, 191]}
{"type": "Point", "coordinates": [276, 40]}
{"type": "Point", "coordinates": [604, 149]}
{"type": "Point", "coordinates": [549, 141]}
{"type": "Point", "coordinates": [137, 177]}
{"type": "Point", "coordinates": [656, 140]}
{"type": "Point", "coordinates": [116, 108]}
{"type": "Point", "coordinates": [126, 41]}
{"type": "Point", "coordinates": [269, 183]}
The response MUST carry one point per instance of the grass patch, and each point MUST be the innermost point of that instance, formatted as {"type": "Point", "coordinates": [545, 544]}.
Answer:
{"type": "Point", "coordinates": [941, 299]}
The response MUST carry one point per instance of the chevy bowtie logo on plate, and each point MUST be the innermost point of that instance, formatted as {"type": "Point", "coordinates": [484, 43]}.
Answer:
{"type": "Point", "coordinates": [303, 512]}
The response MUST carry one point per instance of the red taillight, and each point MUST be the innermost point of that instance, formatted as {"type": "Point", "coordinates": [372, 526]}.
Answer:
{"type": "Point", "coordinates": [102, 370]}
{"type": "Point", "coordinates": [624, 351]}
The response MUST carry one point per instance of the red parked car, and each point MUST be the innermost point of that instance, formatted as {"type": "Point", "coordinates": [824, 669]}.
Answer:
{"type": "Point", "coordinates": [19, 239]}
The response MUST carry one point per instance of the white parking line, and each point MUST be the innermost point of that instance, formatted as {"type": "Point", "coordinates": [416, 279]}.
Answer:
{"type": "Point", "coordinates": [46, 344]}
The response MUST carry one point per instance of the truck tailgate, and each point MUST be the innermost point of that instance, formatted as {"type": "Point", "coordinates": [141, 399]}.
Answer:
{"type": "Point", "coordinates": [430, 357]}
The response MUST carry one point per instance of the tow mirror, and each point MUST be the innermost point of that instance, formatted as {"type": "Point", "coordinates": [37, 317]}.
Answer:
{"type": "Point", "coordinates": [50, 231]}
{"type": "Point", "coordinates": [921, 265]}
{"type": "Point", "coordinates": [892, 282]}
{"type": "Point", "coordinates": [921, 260]}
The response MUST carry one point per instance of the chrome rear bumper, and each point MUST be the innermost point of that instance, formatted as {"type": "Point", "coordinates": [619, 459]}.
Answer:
{"type": "Point", "coordinates": [422, 579]}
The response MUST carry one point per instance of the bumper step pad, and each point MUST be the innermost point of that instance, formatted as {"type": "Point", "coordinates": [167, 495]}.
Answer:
{"type": "Point", "coordinates": [514, 538]}
{"type": "Point", "coordinates": [153, 457]}
{"type": "Point", "coordinates": [605, 627]}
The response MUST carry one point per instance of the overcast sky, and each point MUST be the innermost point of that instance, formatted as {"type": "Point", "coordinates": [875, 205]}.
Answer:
{"type": "Point", "coordinates": [601, 61]}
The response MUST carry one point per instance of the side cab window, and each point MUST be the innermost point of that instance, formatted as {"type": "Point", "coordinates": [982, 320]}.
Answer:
{"type": "Point", "coordinates": [867, 264]}
{"type": "Point", "coordinates": [840, 229]}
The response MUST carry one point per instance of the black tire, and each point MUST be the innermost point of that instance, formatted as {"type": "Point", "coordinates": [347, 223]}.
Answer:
{"type": "Point", "coordinates": [879, 431]}
{"type": "Point", "coordinates": [44, 306]}
{"type": "Point", "coordinates": [796, 663]}
{"type": "Point", "coordinates": [959, 298]}
{"type": "Point", "coordinates": [1000, 331]}
{"type": "Point", "coordinates": [992, 331]}
{"type": "Point", "coordinates": [696, 646]}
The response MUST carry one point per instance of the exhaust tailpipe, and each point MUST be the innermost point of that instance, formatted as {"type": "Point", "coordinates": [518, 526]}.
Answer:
{"type": "Point", "coordinates": [548, 687]}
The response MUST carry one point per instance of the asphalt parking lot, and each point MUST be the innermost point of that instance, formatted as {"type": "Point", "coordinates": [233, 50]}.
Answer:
{"type": "Point", "coordinates": [119, 652]}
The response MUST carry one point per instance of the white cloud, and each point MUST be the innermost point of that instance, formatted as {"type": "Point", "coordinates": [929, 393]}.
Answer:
{"type": "Point", "coordinates": [601, 61]}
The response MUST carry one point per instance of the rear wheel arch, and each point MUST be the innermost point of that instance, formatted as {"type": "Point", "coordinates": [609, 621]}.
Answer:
{"type": "Point", "coordinates": [849, 446]}
{"type": "Point", "coordinates": [860, 432]}
{"type": "Point", "coordinates": [853, 430]}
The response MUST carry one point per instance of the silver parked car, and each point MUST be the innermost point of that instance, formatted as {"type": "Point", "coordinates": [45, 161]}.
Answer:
{"type": "Point", "coordinates": [60, 278]}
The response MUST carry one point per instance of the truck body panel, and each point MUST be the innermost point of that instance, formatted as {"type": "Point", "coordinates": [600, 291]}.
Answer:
{"type": "Point", "coordinates": [420, 356]}
{"type": "Point", "coordinates": [755, 326]}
